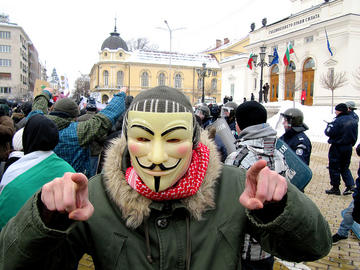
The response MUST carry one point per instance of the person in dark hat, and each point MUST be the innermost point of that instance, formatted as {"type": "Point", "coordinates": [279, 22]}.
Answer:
{"type": "Point", "coordinates": [163, 201]}
{"type": "Point", "coordinates": [342, 133]}
{"type": "Point", "coordinates": [76, 137]}
{"type": "Point", "coordinates": [351, 108]}
{"type": "Point", "coordinates": [256, 141]}
{"type": "Point", "coordinates": [38, 166]}
{"type": "Point", "coordinates": [294, 136]}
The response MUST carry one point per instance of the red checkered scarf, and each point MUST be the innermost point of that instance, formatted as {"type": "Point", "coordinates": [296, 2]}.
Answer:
{"type": "Point", "coordinates": [185, 187]}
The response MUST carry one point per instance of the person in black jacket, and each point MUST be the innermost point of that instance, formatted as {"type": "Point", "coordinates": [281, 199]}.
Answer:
{"type": "Point", "coordinates": [352, 212]}
{"type": "Point", "coordinates": [342, 133]}
{"type": "Point", "coordinates": [294, 135]}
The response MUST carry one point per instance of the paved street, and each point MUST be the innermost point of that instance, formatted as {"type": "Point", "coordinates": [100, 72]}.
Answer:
{"type": "Point", "coordinates": [346, 254]}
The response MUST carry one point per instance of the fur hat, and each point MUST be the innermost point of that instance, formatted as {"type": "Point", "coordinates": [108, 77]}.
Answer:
{"type": "Point", "coordinates": [250, 113]}
{"type": "Point", "coordinates": [162, 99]}
{"type": "Point", "coordinates": [67, 106]}
{"type": "Point", "coordinates": [341, 107]}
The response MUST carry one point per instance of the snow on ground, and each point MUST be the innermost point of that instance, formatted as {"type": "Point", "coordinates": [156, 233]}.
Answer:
{"type": "Point", "coordinates": [314, 118]}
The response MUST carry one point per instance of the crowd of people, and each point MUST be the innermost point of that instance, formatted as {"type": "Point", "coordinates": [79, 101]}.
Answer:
{"type": "Point", "coordinates": [153, 180]}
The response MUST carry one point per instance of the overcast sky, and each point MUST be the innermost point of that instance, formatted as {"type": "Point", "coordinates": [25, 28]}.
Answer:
{"type": "Point", "coordinates": [68, 34]}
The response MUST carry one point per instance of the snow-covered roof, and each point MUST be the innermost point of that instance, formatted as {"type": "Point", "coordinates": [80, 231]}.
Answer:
{"type": "Point", "coordinates": [177, 59]}
{"type": "Point", "coordinates": [234, 57]}
{"type": "Point", "coordinates": [227, 45]}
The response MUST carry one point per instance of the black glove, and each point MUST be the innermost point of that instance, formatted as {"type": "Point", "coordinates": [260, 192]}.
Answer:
{"type": "Point", "coordinates": [356, 211]}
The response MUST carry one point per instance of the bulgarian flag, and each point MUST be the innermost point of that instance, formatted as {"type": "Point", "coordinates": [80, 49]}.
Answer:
{"type": "Point", "coordinates": [249, 64]}
{"type": "Point", "coordinates": [289, 50]}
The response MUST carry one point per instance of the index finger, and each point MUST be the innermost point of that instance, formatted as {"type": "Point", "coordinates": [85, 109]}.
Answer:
{"type": "Point", "coordinates": [77, 183]}
{"type": "Point", "coordinates": [255, 169]}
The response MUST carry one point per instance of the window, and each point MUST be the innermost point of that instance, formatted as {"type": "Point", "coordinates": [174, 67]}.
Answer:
{"type": "Point", "coordinates": [309, 63]}
{"type": "Point", "coordinates": [5, 76]}
{"type": "Point", "coordinates": [255, 82]}
{"type": "Point", "coordinates": [275, 69]}
{"type": "Point", "coordinates": [144, 79]}
{"type": "Point", "coordinates": [214, 73]}
{"type": "Point", "coordinates": [5, 48]}
{"type": "Point", "coordinates": [213, 84]}
{"type": "Point", "coordinates": [232, 67]}
{"type": "Point", "coordinates": [106, 78]}
{"type": "Point", "coordinates": [291, 66]}
{"type": "Point", "coordinates": [309, 39]}
{"type": "Point", "coordinates": [292, 42]}
{"type": "Point", "coordinates": [273, 48]}
{"type": "Point", "coordinates": [120, 79]}
{"type": "Point", "coordinates": [120, 54]}
{"type": "Point", "coordinates": [178, 81]}
{"type": "Point", "coordinates": [5, 90]}
{"type": "Point", "coordinates": [5, 34]}
{"type": "Point", "coordinates": [232, 89]}
{"type": "Point", "coordinates": [161, 79]}
{"type": "Point", "coordinates": [5, 63]}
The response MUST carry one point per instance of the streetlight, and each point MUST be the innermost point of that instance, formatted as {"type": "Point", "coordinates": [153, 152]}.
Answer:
{"type": "Point", "coordinates": [170, 32]}
{"type": "Point", "coordinates": [262, 64]}
{"type": "Point", "coordinates": [203, 73]}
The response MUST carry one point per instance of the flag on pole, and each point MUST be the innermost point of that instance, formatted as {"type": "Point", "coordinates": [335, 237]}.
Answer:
{"type": "Point", "coordinates": [328, 43]}
{"type": "Point", "coordinates": [289, 50]}
{"type": "Point", "coordinates": [249, 64]}
{"type": "Point", "coordinates": [276, 58]}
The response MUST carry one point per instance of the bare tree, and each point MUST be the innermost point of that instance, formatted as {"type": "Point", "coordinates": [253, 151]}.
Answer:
{"type": "Point", "coordinates": [333, 80]}
{"type": "Point", "coordinates": [82, 86]}
{"type": "Point", "coordinates": [141, 44]}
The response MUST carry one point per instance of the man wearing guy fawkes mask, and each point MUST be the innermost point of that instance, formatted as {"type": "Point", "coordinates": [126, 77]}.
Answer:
{"type": "Point", "coordinates": [164, 201]}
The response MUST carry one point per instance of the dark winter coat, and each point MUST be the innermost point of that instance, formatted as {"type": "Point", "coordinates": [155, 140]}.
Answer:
{"type": "Point", "coordinates": [206, 229]}
{"type": "Point", "coordinates": [299, 143]}
{"type": "Point", "coordinates": [343, 130]}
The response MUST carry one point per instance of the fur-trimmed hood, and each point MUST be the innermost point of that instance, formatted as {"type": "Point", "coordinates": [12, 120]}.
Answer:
{"type": "Point", "coordinates": [134, 206]}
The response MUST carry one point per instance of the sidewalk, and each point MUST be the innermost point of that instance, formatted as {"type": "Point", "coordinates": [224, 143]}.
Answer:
{"type": "Point", "coordinates": [346, 254]}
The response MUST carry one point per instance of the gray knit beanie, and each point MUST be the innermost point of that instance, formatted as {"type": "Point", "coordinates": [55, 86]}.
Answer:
{"type": "Point", "coordinates": [67, 106]}
{"type": "Point", "coordinates": [162, 99]}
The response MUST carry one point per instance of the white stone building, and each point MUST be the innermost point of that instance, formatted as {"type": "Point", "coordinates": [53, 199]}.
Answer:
{"type": "Point", "coordinates": [304, 28]}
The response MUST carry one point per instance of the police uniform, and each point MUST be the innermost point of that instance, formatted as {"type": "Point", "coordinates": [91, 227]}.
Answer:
{"type": "Point", "coordinates": [299, 143]}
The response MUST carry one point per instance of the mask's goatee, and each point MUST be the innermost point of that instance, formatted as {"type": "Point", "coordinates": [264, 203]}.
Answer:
{"type": "Point", "coordinates": [157, 183]}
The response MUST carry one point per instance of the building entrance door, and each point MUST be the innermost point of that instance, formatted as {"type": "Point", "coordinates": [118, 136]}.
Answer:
{"type": "Point", "coordinates": [274, 83]}
{"type": "Point", "coordinates": [289, 81]}
{"type": "Point", "coordinates": [308, 80]}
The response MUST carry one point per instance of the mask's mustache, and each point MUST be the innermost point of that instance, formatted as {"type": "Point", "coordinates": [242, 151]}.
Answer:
{"type": "Point", "coordinates": [161, 166]}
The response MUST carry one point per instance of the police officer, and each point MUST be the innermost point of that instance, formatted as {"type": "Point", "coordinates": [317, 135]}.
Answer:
{"type": "Point", "coordinates": [342, 133]}
{"type": "Point", "coordinates": [228, 112]}
{"type": "Point", "coordinates": [351, 109]}
{"type": "Point", "coordinates": [294, 134]}
{"type": "Point", "coordinates": [203, 112]}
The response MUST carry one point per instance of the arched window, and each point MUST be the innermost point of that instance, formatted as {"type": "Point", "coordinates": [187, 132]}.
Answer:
{"type": "Point", "coordinates": [178, 81]}
{"type": "Point", "coordinates": [161, 79]}
{"type": "Point", "coordinates": [144, 79]}
{"type": "Point", "coordinates": [291, 66]}
{"type": "Point", "coordinates": [106, 78]}
{"type": "Point", "coordinates": [275, 69]}
{"type": "Point", "coordinates": [213, 84]}
{"type": "Point", "coordinates": [120, 79]}
{"type": "Point", "coordinates": [309, 63]}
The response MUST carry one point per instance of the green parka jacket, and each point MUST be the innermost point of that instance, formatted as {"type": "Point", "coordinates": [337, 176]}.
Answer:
{"type": "Point", "coordinates": [129, 231]}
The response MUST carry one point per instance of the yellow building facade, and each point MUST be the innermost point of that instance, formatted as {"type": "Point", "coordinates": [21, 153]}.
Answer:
{"type": "Point", "coordinates": [140, 70]}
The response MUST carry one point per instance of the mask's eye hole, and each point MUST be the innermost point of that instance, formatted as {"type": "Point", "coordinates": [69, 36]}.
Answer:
{"type": "Point", "coordinates": [141, 139]}
{"type": "Point", "coordinates": [173, 141]}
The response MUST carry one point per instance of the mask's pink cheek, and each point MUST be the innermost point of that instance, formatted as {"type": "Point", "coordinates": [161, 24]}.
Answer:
{"type": "Point", "coordinates": [183, 149]}
{"type": "Point", "coordinates": [133, 148]}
